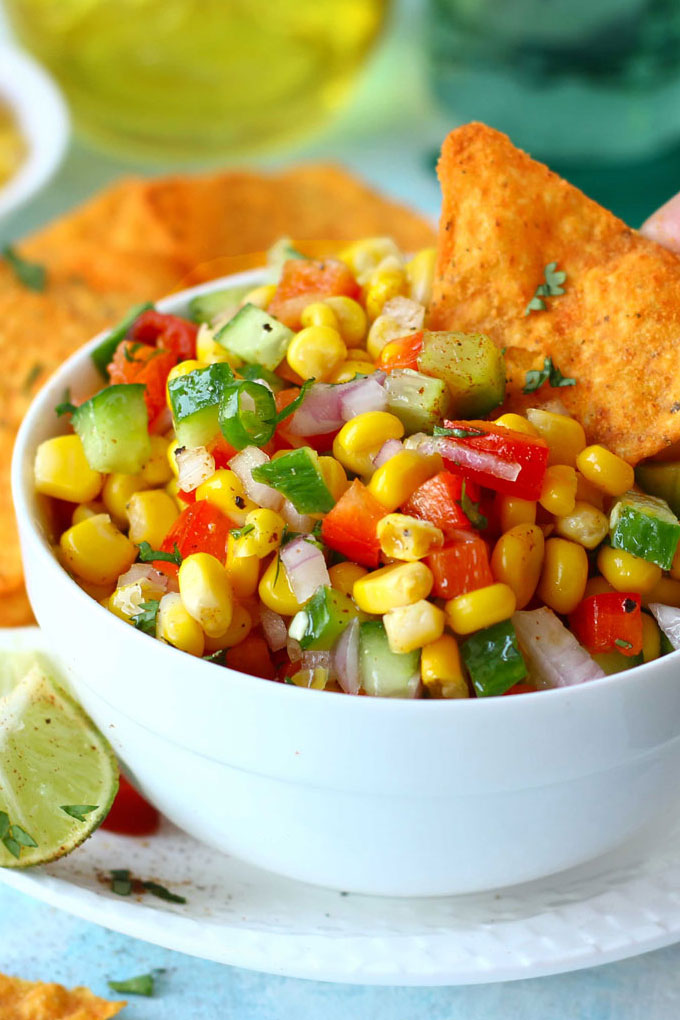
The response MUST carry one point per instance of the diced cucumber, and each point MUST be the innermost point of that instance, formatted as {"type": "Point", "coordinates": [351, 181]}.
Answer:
{"type": "Point", "coordinates": [319, 625]}
{"type": "Point", "coordinates": [195, 400]}
{"type": "Point", "coordinates": [208, 307]}
{"type": "Point", "coordinates": [472, 367]}
{"type": "Point", "coordinates": [646, 527]}
{"type": "Point", "coordinates": [661, 479]}
{"type": "Point", "coordinates": [256, 336]}
{"type": "Point", "coordinates": [419, 401]}
{"type": "Point", "coordinates": [384, 673]}
{"type": "Point", "coordinates": [298, 477]}
{"type": "Point", "coordinates": [113, 426]}
{"type": "Point", "coordinates": [105, 350]}
{"type": "Point", "coordinates": [493, 659]}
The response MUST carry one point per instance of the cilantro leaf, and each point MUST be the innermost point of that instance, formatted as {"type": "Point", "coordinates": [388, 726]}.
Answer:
{"type": "Point", "coordinates": [147, 554]}
{"type": "Point", "coordinates": [242, 532]}
{"type": "Point", "coordinates": [471, 510]}
{"type": "Point", "coordinates": [620, 643]}
{"type": "Point", "coordinates": [294, 404]}
{"type": "Point", "coordinates": [13, 837]}
{"type": "Point", "coordinates": [145, 619]}
{"type": "Point", "coordinates": [78, 811]}
{"type": "Point", "coordinates": [141, 985]}
{"type": "Point", "coordinates": [156, 889]}
{"type": "Point", "coordinates": [65, 407]}
{"type": "Point", "coordinates": [218, 656]}
{"type": "Point", "coordinates": [30, 274]}
{"type": "Point", "coordinates": [550, 374]}
{"type": "Point", "coordinates": [457, 432]}
{"type": "Point", "coordinates": [554, 278]}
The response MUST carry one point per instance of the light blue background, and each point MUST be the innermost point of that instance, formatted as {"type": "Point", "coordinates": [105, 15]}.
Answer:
{"type": "Point", "coordinates": [390, 144]}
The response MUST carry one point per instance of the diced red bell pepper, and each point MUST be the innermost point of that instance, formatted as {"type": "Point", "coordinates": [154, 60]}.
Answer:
{"type": "Point", "coordinates": [222, 452]}
{"type": "Point", "coordinates": [131, 814]}
{"type": "Point", "coordinates": [610, 622]}
{"type": "Point", "coordinates": [200, 527]}
{"type": "Point", "coordinates": [306, 280]}
{"type": "Point", "coordinates": [167, 331]}
{"type": "Point", "coordinates": [520, 689]}
{"type": "Point", "coordinates": [438, 501]}
{"type": "Point", "coordinates": [252, 656]}
{"type": "Point", "coordinates": [500, 459]}
{"type": "Point", "coordinates": [401, 353]}
{"type": "Point", "coordinates": [460, 566]}
{"type": "Point", "coordinates": [351, 526]}
{"type": "Point", "coordinates": [136, 362]}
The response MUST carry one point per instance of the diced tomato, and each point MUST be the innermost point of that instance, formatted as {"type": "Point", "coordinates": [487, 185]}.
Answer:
{"type": "Point", "coordinates": [438, 501]}
{"type": "Point", "coordinates": [252, 656]}
{"type": "Point", "coordinates": [187, 497]}
{"type": "Point", "coordinates": [401, 353]}
{"type": "Point", "coordinates": [500, 459]}
{"type": "Point", "coordinates": [610, 622]}
{"type": "Point", "coordinates": [200, 527]}
{"type": "Point", "coordinates": [130, 814]}
{"type": "Point", "coordinates": [520, 689]}
{"type": "Point", "coordinates": [222, 451]}
{"type": "Point", "coordinates": [306, 280]}
{"type": "Point", "coordinates": [166, 331]}
{"type": "Point", "coordinates": [460, 566]}
{"type": "Point", "coordinates": [351, 526]}
{"type": "Point", "coordinates": [136, 362]}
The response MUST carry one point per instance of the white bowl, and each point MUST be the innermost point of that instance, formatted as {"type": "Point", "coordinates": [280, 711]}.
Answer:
{"type": "Point", "coordinates": [378, 796]}
{"type": "Point", "coordinates": [43, 119]}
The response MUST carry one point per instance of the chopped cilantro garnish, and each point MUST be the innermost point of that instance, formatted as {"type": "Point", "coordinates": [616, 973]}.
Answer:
{"type": "Point", "coordinates": [145, 619]}
{"type": "Point", "coordinates": [294, 404]}
{"type": "Point", "coordinates": [550, 374]}
{"type": "Point", "coordinates": [457, 432]}
{"type": "Point", "coordinates": [242, 532]}
{"type": "Point", "coordinates": [30, 274]}
{"type": "Point", "coordinates": [13, 836]}
{"type": "Point", "coordinates": [552, 287]}
{"type": "Point", "coordinates": [471, 510]}
{"type": "Point", "coordinates": [148, 555]}
{"type": "Point", "coordinates": [78, 811]}
{"type": "Point", "coordinates": [620, 643]}
{"type": "Point", "coordinates": [156, 889]}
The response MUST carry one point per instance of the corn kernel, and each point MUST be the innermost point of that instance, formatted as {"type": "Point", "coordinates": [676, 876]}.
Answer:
{"type": "Point", "coordinates": [117, 493]}
{"type": "Point", "coordinates": [343, 576]}
{"type": "Point", "coordinates": [315, 679]}
{"type": "Point", "coordinates": [420, 275]}
{"type": "Point", "coordinates": [177, 371]}
{"type": "Point", "coordinates": [360, 439]}
{"type": "Point", "coordinates": [261, 534]}
{"type": "Point", "coordinates": [517, 423]}
{"type": "Point", "coordinates": [126, 601]}
{"type": "Point", "coordinates": [517, 560]}
{"type": "Point", "coordinates": [206, 592]}
{"type": "Point", "coordinates": [334, 476]}
{"type": "Point", "coordinates": [564, 435]}
{"type": "Point", "coordinates": [96, 550]}
{"type": "Point", "coordinates": [480, 608]}
{"type": "Point", "coordinates": [407, 538]}
{"type": "Point", "coordinates": [441, 670]}
{"type": "Point", "coordinates": [244, 571]}
{"type": "Point", "coordinates": [666, 591]}
{"type": "Point", "coordinates": [558, 493]}
{"type": "Point", "coordinates": [512, 511]}
{"type": "Point", "coordinates": [364, 256]}
{"type": "Point", "coordinates": [399, 584]}
{"type": "Point", "coordinates": [157, 470]}
{"type": "Point", "coordinates": [348, 370]}
{"type": "Point", "coordinates": [151, 515]}
{"type": "Point", "coordinates": [411, 627]}
{"type": "Point", "coordinates": [351, 319]}
{"type": "Point", "coordinates": [675, 565]}
{"type": "Point", "coordinates": [605, 470]}
{"type": "Point", "coordinates": [651, 638]}
{"type": "Point", "coordinates": [564, 575]}
{"type": "Point", "coordinates": [318, 313]}
{"type": "Point", "coordinates": [316, 352]}
{"type": "Point", "coordinates": [260, 296]}
{"type": "Point", "coordinates": [385, 283]}
{"type": "Point", "coordinates": [585, 524]}
{"type": "Point", "coordinates": [210, 352]}
{"type": "Point", "coordinates": [61, 470]}
{"type": "Point", "coordinates": [399, 477]}
{"type": "Point", "coordinates": [85, 510]}
{"type": "Point", "coordinates": [239, 629]}
{"type": "Point", "coordinates": [626, 572]}
{"type": "Point", "coordinates": [177, 627]}
{"type": "Point", "coordinates": [173, 446]}
{"type": "Point", "coordinates": [275, 590]}
{"type": "Point", "coordinates": [224, 489]}
{"type": "Point", "coordinates": [173, 490]}
{"type": "Point", "coordinates": [586, 492]}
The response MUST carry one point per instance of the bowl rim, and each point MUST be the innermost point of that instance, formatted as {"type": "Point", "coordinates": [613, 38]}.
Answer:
{"type": "Point", "coordinates": [43, 118]}
{"type": "Point", "coordinates": [22, 493]}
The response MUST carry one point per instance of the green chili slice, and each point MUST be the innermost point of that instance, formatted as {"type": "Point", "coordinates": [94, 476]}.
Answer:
{"type": "Point", "coordinates": [247, 414]}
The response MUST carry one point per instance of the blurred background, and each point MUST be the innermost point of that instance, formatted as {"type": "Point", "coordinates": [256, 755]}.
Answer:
{"type": "Point", "coordinates": [590, 86]}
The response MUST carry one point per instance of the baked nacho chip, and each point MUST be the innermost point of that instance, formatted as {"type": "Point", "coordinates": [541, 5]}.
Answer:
{"type": "Point", "coordinates": [616, 327]}
{"type": "Point", "coordinates": [34, 1000]}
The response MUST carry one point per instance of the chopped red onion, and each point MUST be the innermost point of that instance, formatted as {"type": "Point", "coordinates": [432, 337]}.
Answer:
{"type": "Point", "coordinates": [668, 618]}
{"type": "Point", "coordinates": [387, 450]}
{"type": "Point", "coordinates": [305, 566]}
{"type": "Point", "coordinates": [143, 572]}
{"type": "Point", "coordinates": [274, 629]}
{"type": "Point", "coordinates": [319, 412]}
{"type": "Point", "coordinates": [195, 466]}
{"type": "Point", "coordinates": [471, 457]}
{"type": "Point", "coordinates": [346, 659]}
{"type": "Point", "coordinates": [294, 650]}
{"type": "Point", "coordinates": [242, 465]}
{"type": "Point", "coordinates": [552, 653]}
{"type": "Point", "coordinates": [302, 523]}
{"type": "Point", "coordinates": [362, 395]}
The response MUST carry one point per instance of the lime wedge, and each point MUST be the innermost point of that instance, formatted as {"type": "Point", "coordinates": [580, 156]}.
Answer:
{"type": "Point", "coordinates": [58, 774]}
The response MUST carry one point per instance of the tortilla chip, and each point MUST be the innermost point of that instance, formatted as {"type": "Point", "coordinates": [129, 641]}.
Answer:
{"type": "Point", "coordinates": [616, 329]}
{"type": "Point", "coordinates": [33, 1000]}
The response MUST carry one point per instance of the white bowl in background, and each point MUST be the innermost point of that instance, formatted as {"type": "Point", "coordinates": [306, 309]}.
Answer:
{"type": "Point", "coordinates": [43, 119]}
{"type": "Point", "coordinates": [405, 798]}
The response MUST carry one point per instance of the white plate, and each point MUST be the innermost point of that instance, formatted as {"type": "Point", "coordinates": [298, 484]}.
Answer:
{"type": "Point", "coordinates": [621, 905]}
